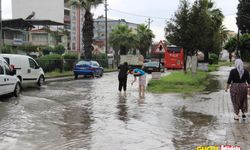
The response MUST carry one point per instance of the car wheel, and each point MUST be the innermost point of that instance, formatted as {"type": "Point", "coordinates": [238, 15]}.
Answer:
{"type": "Point", "coordinates": [76, 76]}
{"type": "Point", "coordinates": [41, 80]}
{"type": "Point", "coordinates": [94, 74]}
{"type": "Point", "coordinates": [101, 74]}
{"type": "Point", "coordinates": [17, 90]}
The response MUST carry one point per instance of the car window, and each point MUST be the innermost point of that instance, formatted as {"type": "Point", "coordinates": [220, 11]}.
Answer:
{"type": "Point", "coordinates": [32, 64]}
{"type": "Point", "coordinates": [95, 64]}
{"type": "Point", "coordinates": [7, 68]}
{"type": "Point", "coordinates": [7, 59]}
{"type": "Point", "coordinates": [83, 63]}
{"type": "Point", "coordinates": [1, 69]}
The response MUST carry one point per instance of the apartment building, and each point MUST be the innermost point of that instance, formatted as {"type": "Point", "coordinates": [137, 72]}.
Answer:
{"type": "Point", "coordinates": [99, 30]}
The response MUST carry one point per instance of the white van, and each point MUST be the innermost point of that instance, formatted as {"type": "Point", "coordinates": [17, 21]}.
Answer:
{"type": "Point", "coordinates": [27, 69]}
{"type": "Point", "coordinates": [9, 83]}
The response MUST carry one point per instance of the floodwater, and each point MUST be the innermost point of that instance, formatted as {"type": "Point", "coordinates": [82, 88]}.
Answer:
{"type": "Point", "coordinates": [91, 114]}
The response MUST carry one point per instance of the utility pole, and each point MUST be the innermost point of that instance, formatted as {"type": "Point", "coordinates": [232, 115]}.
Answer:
{"type": "Point", "coordinates": [1, 30]}
{"type": "Point", "coordinates": [149, 22]}
{"type": "Point", "coordinates": [106, 28]}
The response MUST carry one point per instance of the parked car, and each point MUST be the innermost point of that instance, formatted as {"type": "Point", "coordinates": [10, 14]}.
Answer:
{"type": "Point", "coordinates": [153, 66]}
{"type": "Point", "coordinates": [27, 69]}
{"type": "Point", "coordinates": [91, 68]}
{"type": "Point", "coordinates": [9, 83]}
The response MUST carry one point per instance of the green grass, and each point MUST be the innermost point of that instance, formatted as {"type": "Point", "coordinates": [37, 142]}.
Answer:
{"type": "Point", "coordinates": [57, 73]}
{"type": "Point", "coordinates": [178, 82]}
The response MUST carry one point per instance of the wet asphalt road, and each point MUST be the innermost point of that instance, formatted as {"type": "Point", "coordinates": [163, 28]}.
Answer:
{"type": "Point", "coordinates": [91, 114]}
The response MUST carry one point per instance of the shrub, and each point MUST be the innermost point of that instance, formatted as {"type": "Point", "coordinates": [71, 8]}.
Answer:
{"type": "Point", "coordinates": [7, 49]}
{"type": "Point", "coordinates": [213, 58]}
{"type": "Point", "coordinates": [101, 59]}
{"type": "Point", "coordinates": [70, 60]}
{"type": "Point", "coordinates": [51, 62]}
{"type": "Point", "coordinates": [28, 48]}
{"type": "Point", "coordinates": [46, 50]}
{"type": "Point", "coordinates": [59, 49]}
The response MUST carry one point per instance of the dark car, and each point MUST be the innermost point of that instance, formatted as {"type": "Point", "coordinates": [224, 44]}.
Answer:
{"type": "Point", "coordinates": [88, 68]}
{"type": "Point", "coordinates": [153, 66]}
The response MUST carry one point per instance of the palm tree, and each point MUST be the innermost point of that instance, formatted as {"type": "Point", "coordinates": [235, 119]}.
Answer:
{"type": "Point", "coordinates": [223, 32]}
{"type": "Point", "coordinates": [208, 20]}
{"type": "Point", "coordinates": [144, 38]}
{"type": "Point", "coordinates": [88, 26]}
{"type": "Point", "coordinates": [122, 39]}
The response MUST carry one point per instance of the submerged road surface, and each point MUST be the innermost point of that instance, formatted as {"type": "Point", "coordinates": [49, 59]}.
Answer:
{"type": "Point", "coordinates": [91, 114]}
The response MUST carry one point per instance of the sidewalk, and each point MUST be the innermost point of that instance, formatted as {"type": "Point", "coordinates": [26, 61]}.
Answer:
{"type": "Point", "coordinates": [225, 130]}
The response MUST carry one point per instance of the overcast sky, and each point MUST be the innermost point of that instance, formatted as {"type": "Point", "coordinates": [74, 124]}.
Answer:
{"type": "Point", "coordinates": [138, 11]}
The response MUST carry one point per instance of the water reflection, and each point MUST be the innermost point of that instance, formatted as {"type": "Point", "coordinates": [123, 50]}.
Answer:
{"type": "Point", "coordinates": [192, 129]}
{"type": "Point", "coordinates": [122, 108]}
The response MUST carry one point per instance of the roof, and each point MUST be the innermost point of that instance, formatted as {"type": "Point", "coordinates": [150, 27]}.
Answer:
{"type": "Point", "coordinates": [44, 22]}
{"type": "Point", "coordinates": [16, 23]}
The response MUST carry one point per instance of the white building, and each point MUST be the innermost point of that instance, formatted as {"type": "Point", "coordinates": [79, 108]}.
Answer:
{"type": "Point", "coordinates": [44, 9]}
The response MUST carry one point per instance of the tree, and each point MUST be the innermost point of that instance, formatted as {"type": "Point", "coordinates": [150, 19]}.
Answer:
{"type": "Point", "coordinates": [244, 46]}
{"type": "Point", "coordinates": [230, 45]}
{"type": "Point", "coordinates": [144, 38]}
{"type": "Point", "coordinates": [243, 16]}
{"type": "Point", "coordinates": [223, 33]}
{"type": "Point", "coordinates": [177, 29]}
{"type": "Point", "coordinates": [206, 22]}
{"type": "Point", "coordinates": [122, 39]}
{"type": "Point", "coordinates": [88, 26]}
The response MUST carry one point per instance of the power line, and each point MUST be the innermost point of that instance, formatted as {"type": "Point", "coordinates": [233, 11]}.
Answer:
{"type": "Point", "coordinates": [137, 15]}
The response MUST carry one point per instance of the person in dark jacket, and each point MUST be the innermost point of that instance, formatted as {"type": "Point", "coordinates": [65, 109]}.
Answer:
{"type": "Point", "coordinates": [122, 77]}
{"type": "Point", "coordinates": [238, 81]}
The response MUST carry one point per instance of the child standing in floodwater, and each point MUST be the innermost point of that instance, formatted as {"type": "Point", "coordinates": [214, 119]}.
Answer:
{"type": "Point", "coordinates": [142, 81]}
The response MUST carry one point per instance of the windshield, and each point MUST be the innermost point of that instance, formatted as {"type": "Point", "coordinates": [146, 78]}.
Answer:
{"type": "Point", "coordinates": [174, 49]}
{"type": "Point", "coordinates": [152, 64]}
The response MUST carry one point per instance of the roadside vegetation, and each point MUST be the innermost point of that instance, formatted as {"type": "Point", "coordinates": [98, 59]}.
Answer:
{"type": "Point", "coordinates": [179, 82]}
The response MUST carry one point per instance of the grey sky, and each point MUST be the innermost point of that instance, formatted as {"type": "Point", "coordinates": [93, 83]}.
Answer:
{"type": "Point", "coordinates": [158, 10]}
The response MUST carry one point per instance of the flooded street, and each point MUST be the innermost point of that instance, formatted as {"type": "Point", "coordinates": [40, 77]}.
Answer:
{"type": "Point", "coordinates": [91, 114]}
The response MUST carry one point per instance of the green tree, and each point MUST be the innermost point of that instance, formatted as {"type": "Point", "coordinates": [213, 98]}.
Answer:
{"type": "Point", "coordinates": [223, 33]}
{"type": "Point", "coordinates": [88, 26]}
{"type": "Point", "coordinates": [244, 46]}
{"type": "Point", "coordinates": [178, 28]}
{"type": "Point", "coordinates": [144, 38]}
{"type": "Point", "coordinates": [243, 16]}
{"type": "Point", "coordinates": [205, 24]}
{"type": "Point", "coordinates": [122, 39]}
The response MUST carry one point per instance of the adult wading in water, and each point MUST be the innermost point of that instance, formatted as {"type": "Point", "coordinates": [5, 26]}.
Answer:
{"type": "Point", "coordinates": [238, 81]}
{"type": "Point", "coordinates": [122, 77]}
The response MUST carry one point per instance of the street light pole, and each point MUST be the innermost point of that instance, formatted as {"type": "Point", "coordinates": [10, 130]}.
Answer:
{"type": "Point", "coordinates": [106, 28]}
{"type": "Point", "coordinates": [1, 30]}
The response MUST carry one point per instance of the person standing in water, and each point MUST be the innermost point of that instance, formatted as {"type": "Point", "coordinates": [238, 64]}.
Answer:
{"type": "Point", "coordinates": [122, 77]}
{"type": "Point", "coordinates": [238, 81]}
